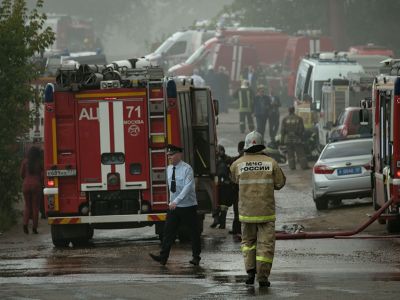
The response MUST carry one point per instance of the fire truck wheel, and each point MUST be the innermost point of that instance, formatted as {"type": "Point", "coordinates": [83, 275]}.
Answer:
{"type": "Point", "coordinates": [57, 237]}
{"type": "Point", "coordinates": [393, 226]}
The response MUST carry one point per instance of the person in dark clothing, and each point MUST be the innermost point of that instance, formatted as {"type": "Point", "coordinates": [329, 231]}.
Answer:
{"type": "Point", "coordinates": [236, 226]}
{"type": "Point", "coordinates": [261, 109]}
{"type": "Point", "coordinates": [273, 120]}
{"type": "Point", "coordinates": [32, 175]}
{"type": "Point", "coordinates": [225, 188]}
{"type": "Point", "coordinates": [292, 135]}
{"type": "Point", "coordinates": [223, 82]}
{"type": "Point", "coordinates": [182, 207]}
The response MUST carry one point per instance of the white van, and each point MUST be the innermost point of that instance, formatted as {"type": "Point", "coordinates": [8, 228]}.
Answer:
{"type": "Point", "coordinates": [179, 46]}
{"type": "Point", "coordinates": [319, 68]}
{"type": "Point", "coordinates": [312, 73]}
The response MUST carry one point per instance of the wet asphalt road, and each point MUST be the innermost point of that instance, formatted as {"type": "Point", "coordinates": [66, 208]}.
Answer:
{"type": "Point", "coordinates": [117, 266]}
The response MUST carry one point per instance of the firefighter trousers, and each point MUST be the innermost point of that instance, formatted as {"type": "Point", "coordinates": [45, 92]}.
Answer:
{"type": "Point", "coordinates": [258, 247]}
{"type": "Point", "coordinates": [242, 121]}
{"type": "Point", "coordinates": [296, 150]}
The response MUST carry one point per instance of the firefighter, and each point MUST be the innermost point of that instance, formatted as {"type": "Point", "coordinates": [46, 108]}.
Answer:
{"type": "Point", "coordinates": [182, 207]}
{"type": "Point", "coordinates": [225, 188]}
{"type": "Point", "coordinates": [292, 133]}
{"type": "Point", "coordinates": [245, 98]}
{"type": "Point", "coordinates": [262, 107]}
{"type": "Point", "coordinates": [258, 176]}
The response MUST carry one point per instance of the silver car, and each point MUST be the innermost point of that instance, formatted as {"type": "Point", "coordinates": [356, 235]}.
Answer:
{"type": "Point", "coordinates": [342, 171]}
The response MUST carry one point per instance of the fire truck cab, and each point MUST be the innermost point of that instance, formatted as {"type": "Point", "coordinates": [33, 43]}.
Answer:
{"type": "Point", "coordinates": [386, 146]}
{"type": "Point", "coordinates": [106, 130]}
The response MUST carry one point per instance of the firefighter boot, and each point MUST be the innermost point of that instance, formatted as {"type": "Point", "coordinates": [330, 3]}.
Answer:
{"type": "Point", "coordinates": [251, 275]}
{"type": "Point", "coordinates": [222, 219]}
{"type": "Point", "coordinates": [25, 228]}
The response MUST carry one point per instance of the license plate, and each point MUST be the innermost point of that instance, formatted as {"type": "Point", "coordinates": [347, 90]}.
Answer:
{"type": "Point", "coordinates": [349, 171]}
{"type": "Point", "coordinates": [61, 173]}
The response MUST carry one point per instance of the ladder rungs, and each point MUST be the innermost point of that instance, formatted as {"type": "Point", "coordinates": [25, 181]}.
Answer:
{"type": "Point", "coordinates": [157, 133]}
{"type": "Point", "coordinates": [157, 117]}
{"type": "Point", "coordinates": [158, 168]}
{"type": "Point", "coordinates": [164, 202]}
{"type": "Point", "coordinates": [157, 151]}
{"type": "Point", "coordinates": [159, 185]}
{"type": "Point", "coordinates": [156, 99]}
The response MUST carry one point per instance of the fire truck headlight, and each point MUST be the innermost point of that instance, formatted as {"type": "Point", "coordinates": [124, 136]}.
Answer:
{"type": "Point", "coordinates": [113, 179]}
{"type": "Point", "coordinates": [112, 158]}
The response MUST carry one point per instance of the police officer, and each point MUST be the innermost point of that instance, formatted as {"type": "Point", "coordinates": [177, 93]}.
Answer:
{"type": "Point", "coordinates": [258, 176]}
{"type": "Point", "coordinates": [292, 133]}
{"type": "Point", "coordinates": [245, 97]}
{"type": "Point", "coordinates": [182, 206]}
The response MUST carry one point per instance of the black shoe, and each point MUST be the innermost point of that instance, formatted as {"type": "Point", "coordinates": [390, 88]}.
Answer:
{"type": "Point", "coordinates": [26, 229]}
{"type": "Point", "coordinates": [251, 275]}
{"type": "Point", "coordinates": [214, 224]}
{"type": "Point", "coordinates": [34, 230]}
{"type": "Point", "coordinates": [158, 258]}
{"type": "Point", "coordinates": [221, 226]}
{"type": "Point", "coordinates": [195, 261]}
{"type": "Point", "coordinates": [264, 283]}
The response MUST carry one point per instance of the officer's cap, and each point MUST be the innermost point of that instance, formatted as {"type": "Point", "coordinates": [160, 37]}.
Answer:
{"type": "Point", "coordinates": [172, 149]}
{"type": "Point", "coordinates": [253, 142]}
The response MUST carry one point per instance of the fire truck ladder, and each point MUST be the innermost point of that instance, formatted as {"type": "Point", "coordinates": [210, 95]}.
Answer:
{"type": "Point", "coordinates": [156, 108]}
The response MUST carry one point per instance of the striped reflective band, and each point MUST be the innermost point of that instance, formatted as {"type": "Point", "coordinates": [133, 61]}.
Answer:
{"type": "Point", "coordinates": [255, 181]}
{"type": "Point", "coordinates": [246, 248]}
{"type": "Point", "coordinates": [264, 259]}
{"type": "Point", "coordinates": [257, 218]}
{"type": "Point", "coordinates": [160, 217]}
{"type": "Point", "coordinates": [56, 221]}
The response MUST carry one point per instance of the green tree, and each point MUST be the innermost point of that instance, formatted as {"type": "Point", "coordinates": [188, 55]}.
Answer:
{"type": "Point", "coordinates": [22, 37]}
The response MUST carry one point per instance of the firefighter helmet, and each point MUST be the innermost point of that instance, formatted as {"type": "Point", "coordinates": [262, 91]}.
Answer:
{"type": "Point", "coordinates": [253, 142]}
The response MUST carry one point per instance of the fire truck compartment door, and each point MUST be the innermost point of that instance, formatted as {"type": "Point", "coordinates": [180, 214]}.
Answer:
{"type": "Point", "coordinates": [107, 127]}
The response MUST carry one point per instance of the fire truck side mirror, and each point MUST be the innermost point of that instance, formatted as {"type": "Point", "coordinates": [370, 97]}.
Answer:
{"type": "Point", "coordinates": [364, 116]}
{"type": "Point", "coordinates": [216, 107]}
{"type": "Point", "coordinates": [48, 93]}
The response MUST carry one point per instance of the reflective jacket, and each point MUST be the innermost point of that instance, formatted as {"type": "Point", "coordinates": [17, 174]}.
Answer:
{"type": "Point", "coordinates": [292, 129]}
{"type": "Point", "coordinates": [258, 176]}
{"type": "Point", "coordinates": [245, 96]}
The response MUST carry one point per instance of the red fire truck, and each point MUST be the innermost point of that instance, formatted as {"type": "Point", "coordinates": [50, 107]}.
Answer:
{"type": "Point", "coordinates": [106, 131]}
{"type": "Point", "coordinates": [386, 147]}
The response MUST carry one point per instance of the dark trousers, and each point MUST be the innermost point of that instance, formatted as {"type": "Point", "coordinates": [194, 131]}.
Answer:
{"type": "Point", "coordinates": [242, 121]}
{"type": "Point", "coordinates": [273, 126]}
{"type": "Point", "coordinates": [236, 226]}
{"type": "Point", "coordinates": [186, 216]}
{"type": "Point", "coordinates": [261, 123]}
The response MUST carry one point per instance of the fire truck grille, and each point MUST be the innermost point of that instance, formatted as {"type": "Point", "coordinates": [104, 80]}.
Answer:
{"type": "Point", "coordinates": [114, 203]}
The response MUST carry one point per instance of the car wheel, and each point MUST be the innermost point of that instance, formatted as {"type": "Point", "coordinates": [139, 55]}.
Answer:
{"type": "Point", "coordinates": [320, 203]}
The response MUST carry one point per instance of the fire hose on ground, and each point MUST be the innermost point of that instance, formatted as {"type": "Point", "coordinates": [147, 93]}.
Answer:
{"type": "Point", "coordinates": [336, 234]}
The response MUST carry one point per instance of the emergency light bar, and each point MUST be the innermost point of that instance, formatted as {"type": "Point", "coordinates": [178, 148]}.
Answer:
{"type": "Point", "coordinates": [110, 84]}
